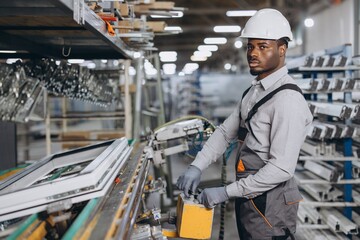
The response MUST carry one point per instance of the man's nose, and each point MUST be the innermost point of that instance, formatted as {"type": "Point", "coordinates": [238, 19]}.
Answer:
{"type": "Point", "coordinates": [254, 52]}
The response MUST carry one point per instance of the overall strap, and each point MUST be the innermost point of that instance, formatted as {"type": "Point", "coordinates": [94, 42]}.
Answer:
{"type": "Point", "coordinates": [245, 92]}
{"type": "Point", "coordinates": [269, 96]}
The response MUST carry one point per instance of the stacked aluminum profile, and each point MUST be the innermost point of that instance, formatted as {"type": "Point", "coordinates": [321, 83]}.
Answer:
{"type": "Point", "coordinates": [323, 169]}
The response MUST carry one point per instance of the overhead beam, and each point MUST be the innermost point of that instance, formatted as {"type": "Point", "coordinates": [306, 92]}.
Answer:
{"type": "Point", "coordinates": [27, 3]}
{"type": "Point", "coordinates": [19, 43]}
{"type": "Point", "coordinates": [30, 11]}
{"type": "Point", "coordinates": [42, 28]}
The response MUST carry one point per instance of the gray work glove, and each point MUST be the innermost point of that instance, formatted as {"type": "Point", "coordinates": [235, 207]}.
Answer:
{"type": "Point", "coordinates": [210, 197]}
{"type": "Point", "coordinates": [189, 180]}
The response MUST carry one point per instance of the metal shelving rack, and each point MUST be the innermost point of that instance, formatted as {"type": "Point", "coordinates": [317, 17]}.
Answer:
{"type": "Point", "coordinates": [148, 93]}
{"type": "Point", "coordinates": [349, 202]}
{"type": "Point", "coordinates": [57, 29]}
{"type": "Point", "coordinates": [124, 114]}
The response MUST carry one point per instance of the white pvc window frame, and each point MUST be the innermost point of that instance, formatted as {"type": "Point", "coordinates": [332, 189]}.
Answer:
{"type": "Point", "coordinates": [19, 197]}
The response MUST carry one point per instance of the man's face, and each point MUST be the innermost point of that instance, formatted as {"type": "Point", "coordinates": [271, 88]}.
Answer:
{"type": "Point", "coordinates": [264, 57]}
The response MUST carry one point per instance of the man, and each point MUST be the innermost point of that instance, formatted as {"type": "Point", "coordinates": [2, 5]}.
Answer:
{"type": "Point", "coordinates": [266, 195]}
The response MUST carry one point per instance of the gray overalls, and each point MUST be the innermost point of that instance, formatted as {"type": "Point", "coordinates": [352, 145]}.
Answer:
{"type": "Point", "coordinates": [273, 213]}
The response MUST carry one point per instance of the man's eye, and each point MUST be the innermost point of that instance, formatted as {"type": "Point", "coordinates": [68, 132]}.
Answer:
{"type": "Point", "coordinates": [262, 47]}
{"type": "Point", "coordinates": [249, 47]}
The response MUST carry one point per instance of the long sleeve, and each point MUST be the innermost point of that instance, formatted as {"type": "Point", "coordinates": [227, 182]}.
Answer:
{"type": "Point", "coordinates": [216, 145]}
{"type": "Point", "coordinates": [288, 125]}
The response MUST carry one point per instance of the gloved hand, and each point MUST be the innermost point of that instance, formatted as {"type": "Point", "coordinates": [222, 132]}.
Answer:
{"type": "Point", "coordinates": [213, 196]}
{"type": "Point", "coordinates": [189, 180]}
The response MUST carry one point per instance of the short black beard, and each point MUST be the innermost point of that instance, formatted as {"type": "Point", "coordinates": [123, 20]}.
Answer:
{"type": "Point", "coordinates": [255, 73]}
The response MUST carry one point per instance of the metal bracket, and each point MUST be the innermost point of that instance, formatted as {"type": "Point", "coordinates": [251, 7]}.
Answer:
{"type": "Point", "coordinates": [79, 11]}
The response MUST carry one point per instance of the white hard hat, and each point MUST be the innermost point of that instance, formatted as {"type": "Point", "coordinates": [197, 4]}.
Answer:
{"type": "Point", "coordinates": [267, 24]}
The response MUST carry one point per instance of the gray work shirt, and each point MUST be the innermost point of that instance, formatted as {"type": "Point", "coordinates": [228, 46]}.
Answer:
{"type": "Point", "coordinates": [280, 127]}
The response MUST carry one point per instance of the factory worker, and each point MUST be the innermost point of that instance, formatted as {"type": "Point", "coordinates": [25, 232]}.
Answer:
{"type": "Point", "coordinates": [271, 121]}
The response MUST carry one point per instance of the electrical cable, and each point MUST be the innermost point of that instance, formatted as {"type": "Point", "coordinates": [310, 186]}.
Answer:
{"type": "Point", "coordinates": [196, 143]}
{"type": "Point", "coordinates": [186, 118]}
{"type": "Point", "coordinates": [223, 204]}
{"type": "Point", "coordinates": [226, 157]}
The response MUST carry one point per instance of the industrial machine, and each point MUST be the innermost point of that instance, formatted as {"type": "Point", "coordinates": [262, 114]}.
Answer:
{"type": "Point", "coordinates": [99, 191]}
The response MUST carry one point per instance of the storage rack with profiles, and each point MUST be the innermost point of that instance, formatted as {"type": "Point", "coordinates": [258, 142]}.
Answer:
{"type": "Point", "coordinates": [328, 164]}
{"type": "Point", "coordinates": [54, 29]}
{"type": "Point", "coordinates": [113, 117]}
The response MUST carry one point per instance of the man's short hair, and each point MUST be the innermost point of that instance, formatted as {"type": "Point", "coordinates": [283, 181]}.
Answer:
{"type": "Point", "coordinates": [283, 41]}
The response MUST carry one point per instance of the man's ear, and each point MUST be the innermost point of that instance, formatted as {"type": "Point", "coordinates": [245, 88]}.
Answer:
{"type": "Point", "coordinates": [282, 50]}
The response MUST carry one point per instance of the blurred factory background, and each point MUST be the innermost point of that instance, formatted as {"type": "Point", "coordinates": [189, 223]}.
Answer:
{"type": "Point", "coordinates": [103, 104]}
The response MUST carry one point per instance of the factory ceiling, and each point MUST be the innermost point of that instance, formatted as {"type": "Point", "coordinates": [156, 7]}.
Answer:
{"type": "Point", "coordinates": [202, 16]}
{"type": "Point", "coordinates": [46, 28]}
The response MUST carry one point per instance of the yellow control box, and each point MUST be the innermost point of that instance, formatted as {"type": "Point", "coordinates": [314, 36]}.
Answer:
{"type": "Point", "coordinates": [193, 220]}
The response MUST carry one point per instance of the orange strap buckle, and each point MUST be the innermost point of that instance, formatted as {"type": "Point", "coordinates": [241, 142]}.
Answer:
{"type": "Point", "coordinates": [240, 166]}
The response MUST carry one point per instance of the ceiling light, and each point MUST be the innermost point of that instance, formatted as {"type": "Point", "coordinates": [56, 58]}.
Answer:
{"type": "Point", "coordinates": [168, 59]}
{"type": "Point", "coordinates": [198, 58]}
{"type": "Point", "coordinates": [173, 28]}
{"type": "Point", "coordinates": [240, 13]}
{"type": "Point", "coordinates": [168, 56]}
{"type": "Point", "coordinates": [238, 44]}
{"type": "Point", "coordinates": [181, 74]}
{"type": "Point", "coordinates": [170, 14]}
{"type": "Point", "coordinates": [169, 68]}
{"type": "Point", "coordinates": [190, 67]}
{"type": "Point", "coordinates": [103, 60]}
{"type": "Point", "coordinates": [7, 51]}
{"type": "Point", "coordinates": [86, 63]}
{"type": "Point", "coordinates": [91, 65]}
{"type": "Point", "coordinates": [219, 40]}
{"type": "Point", "coordinates": [309, 22]}
{"type": "Point", "coordinates": [12, 60]}
{"type": "Point", "coordinates": [202, 54]}
{"type": "Point", "coordinates": [211, 48]}
{"type": "Point", "coordinates": [75, 61]}
{"type": "Point", "coordinates": [227, 66]}
{"type": "Point", "coordinates": [227, 29]}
